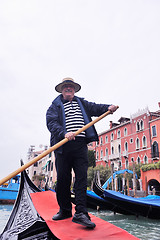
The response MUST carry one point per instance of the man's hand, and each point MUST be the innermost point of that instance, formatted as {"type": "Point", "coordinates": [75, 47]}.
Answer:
{"type": "Point", "coordinates": [70, 136]}
{"type": "Point", "coordinates": [112, 108]}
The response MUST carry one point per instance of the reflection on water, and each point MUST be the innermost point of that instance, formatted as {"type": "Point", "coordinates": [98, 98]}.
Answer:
{"type": "Point", "coordinates": [143, 228]}
{"type": "Point", "coordinates": [5, 211]}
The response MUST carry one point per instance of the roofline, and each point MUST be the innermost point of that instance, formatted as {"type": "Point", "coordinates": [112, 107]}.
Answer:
{"type": "Point", "coordinates": [111, 129]}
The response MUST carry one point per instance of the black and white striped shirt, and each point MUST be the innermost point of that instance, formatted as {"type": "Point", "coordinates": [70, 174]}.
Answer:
{"type": "Point", "coordinates": [74, 117]}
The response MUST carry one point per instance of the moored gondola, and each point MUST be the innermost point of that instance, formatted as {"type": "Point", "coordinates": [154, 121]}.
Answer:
{"type": "Point", "coordinates": [147, 206]}
{"type": "Point", "coordinates": [94, 201]}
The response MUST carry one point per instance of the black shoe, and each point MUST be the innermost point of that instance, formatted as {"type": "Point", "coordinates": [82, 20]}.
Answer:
{"type": "Point", "coordinates": [62, 215]}
{"type": "Point", "coordinates": [83, 219]}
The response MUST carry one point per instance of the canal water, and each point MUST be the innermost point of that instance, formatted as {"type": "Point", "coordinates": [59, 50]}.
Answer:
{"type": "Point", "coordinates": [143, 228]}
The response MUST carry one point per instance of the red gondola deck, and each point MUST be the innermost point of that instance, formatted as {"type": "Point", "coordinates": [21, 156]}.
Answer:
{"type": "Point", "coordinates": [46, 205]}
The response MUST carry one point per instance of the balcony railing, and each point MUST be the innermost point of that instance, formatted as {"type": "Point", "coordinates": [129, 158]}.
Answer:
{"type": "Point", "coordinates": [105, 159]}
{"type": "Point", "coordinates": [125, 154]}
{"type": "Point", "coordinates": [115, 156]}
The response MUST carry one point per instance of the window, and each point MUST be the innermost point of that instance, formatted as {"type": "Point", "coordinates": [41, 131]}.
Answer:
{"type": "Point", "coordinates": [137, 143]}
{"type": "Point", "coordinates": [106, 139]}
{"type": "Point", "coordinates": [154, 132]}
{"type": "Point", "coordinates": [118, 134]}
{"type": "Point", "coordinates": [49, 166]}
{"type": "Point", "coordinates": [131, 140]}
{"type": "Point", "coordinates": [125, 132]}
{"type": "Point", "coordinates": [126, 163]}
{"type": "Point", "coordinates": [126, 146]}
{"type": "Point", "coordinates": [36, 164]}
{"type": "Point", "coordinates": [97, 155]}
{"type": "Point", "coordinates": [138, 126]}
{"type": "Point", "coordinates": [120, 164]}
{"type": "Point", "coordinates": [101, 154]}
{"type": "Point", "coordinates": [112, 150]}
{"type": "Point", "coordinates": [112, 136]}
{"type": "Point", "coordinates": [141, 125]}
{"type": "Point", "coordinates": [144, 141]}
{"type": "Point", "coordinates": [52, 166]}
{"type": "Point", "coordinates": [145, 159]}
{"type": "Point", "coordinates": [119, 149]}
{"type": "Point", "coordinates": [101, 141]}
{"type": "Point", "coordinates": [155, 150]}
{"type": "Point", "coordinates": [106, 152]}
{"type": "Point", "coordinates": [138, 160]}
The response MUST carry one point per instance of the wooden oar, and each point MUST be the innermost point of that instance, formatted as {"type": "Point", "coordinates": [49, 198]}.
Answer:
{"type": "Point", "coordinates": [53, 148]}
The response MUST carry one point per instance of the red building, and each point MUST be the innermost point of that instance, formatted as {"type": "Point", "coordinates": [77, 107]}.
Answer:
{"type": "Point", "coordinates": [131, 139]}
{"type": "Point", "coordinates": [151, 178]}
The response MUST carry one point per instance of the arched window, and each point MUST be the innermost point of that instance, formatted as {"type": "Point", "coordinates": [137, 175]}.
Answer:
{"type": "Point", "coordinates": [106, 139]}
{"type": "Point", "coordinates": [112, 150]}
{"type": "Point", "coordinates": [125, 132]}
{"type": "Point", "coordinates": [138, 160]}
{"type": "Point", "coordinates": [126, 146]}
{"type": "Point", "coordinates": [138, 126]}
{"type": "Point", "coordinates": [144, 141]}
{"type": "Point", "coordinates": [126, 163]}
{"type": "Point", "coordinates": [97, 155]}
{"type": "Point", "coordinates": [137, 143]}
{"type": "Point", "coordinates": [101, 154]}
{"type": "Point", "coordinates": [112, 136]}
{"type": "Point", "coordinates": [119, 149]}
{"type": "Point", "coordinates": [141, 125]}
{"type": "Point", "coordinates": [118, 134]}
{"type": "Point", "coordinates": [145, 160]}
{"type": "Point", "coordinates": [155, 150]}
{"type": "Point", "coordinates": [106, 152]}
{"type": "Point", "coordinates": [101, 141]}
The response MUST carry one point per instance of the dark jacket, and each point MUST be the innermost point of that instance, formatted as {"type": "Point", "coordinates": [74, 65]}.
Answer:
{"type": "Point", "coordinates": [55, 118]}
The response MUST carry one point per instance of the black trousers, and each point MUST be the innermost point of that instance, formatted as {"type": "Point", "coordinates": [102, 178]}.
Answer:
{"type": "Point", "coordinates": [75, 155]}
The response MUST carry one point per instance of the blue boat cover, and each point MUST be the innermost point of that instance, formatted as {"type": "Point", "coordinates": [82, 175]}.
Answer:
{"type": "Point", "coordinates": [153, 200]}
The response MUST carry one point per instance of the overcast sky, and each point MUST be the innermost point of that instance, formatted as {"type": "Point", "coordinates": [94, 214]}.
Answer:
{"type": "Point", "coordinates": [111, 48]}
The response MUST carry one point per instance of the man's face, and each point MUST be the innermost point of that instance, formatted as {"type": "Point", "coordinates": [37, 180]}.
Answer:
{"type": "Point", "coordinates": [68, 92]}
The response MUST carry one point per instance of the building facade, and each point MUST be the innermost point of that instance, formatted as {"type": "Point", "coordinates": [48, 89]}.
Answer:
{"type": "Point", "coordinates": [133, 139]}
{"type": "Point", "coordinates": [43, 171]}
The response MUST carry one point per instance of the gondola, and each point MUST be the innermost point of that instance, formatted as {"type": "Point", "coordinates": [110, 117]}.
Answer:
{"type": "Point", "coordinates": [24, 221]}
{"type": "Point", "coordinates": [147, 206]}
{"type": "Point", "coordinates": [31, 218]}
{"type": "Point", "coordinates": [94, 201]}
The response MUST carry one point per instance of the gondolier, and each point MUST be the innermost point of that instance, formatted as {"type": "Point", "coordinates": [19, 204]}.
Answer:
{"type": "Point", "coordinates": [65, 116]}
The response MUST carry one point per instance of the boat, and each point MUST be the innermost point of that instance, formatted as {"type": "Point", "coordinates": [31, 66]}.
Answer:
{"type": "Point", "coordinates": [9, 190]}
{"type": "Point", "coordinates": [94, 201]}
{"type": "Point", "coordinates": [146, 206]}
{"type": "Point", "coordinates": [31, 218]}
{"type": "Point", "coordinates": [24, 221]}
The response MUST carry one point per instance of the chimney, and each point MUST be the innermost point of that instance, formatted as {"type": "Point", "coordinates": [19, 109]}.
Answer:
{"type": "Point", "coordinates": [159, 104]}
{"type": "Point", "coordinates": [110, 125]}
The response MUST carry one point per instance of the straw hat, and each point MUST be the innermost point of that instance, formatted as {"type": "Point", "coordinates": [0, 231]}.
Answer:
{"type": "Point", "coordinates": [67, 80]}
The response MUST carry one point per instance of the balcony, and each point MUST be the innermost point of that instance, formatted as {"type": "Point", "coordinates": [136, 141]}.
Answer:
{"type": "Point", "coordinates": [114, 156]}
{"type": "Point", "coordinates": [105, 159]}
{"type": "Point", "coordinates": [125, 154]}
